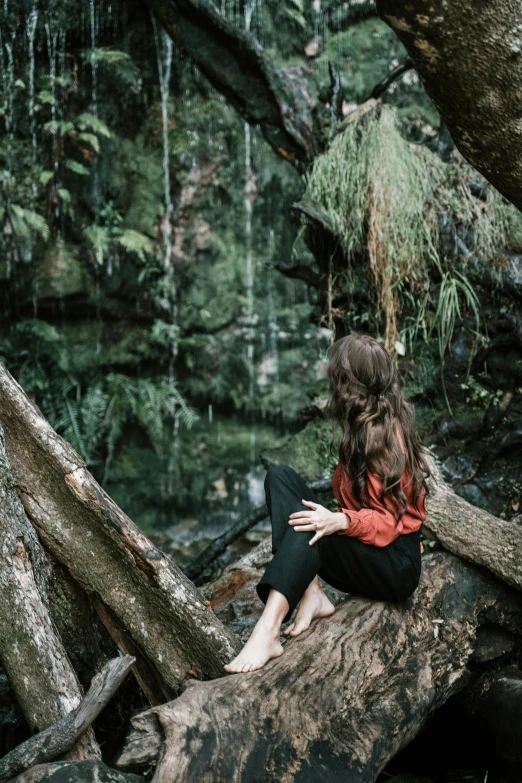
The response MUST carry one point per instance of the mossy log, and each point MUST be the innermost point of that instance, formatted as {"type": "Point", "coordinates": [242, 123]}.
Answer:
{"type": "Point", "coordinates": [162, 613]}
{"type": "Point", "coordinates": [342, 700]}
{"type": "Point", "coordinates": [31, 651]}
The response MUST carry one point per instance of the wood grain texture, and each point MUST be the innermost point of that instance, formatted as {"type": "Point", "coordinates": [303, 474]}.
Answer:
{"type": "Point", "coordinates": [31, 651]}
{"type": "Point", "coordinates": [344, 697]}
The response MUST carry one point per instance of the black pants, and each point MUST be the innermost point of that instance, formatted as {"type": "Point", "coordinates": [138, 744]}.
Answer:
{"type": "Point", "coordinates": [389, 573]}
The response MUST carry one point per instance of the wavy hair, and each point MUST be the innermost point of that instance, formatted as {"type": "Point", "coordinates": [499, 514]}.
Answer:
{"type": "Point", "coordinates": [367, 401]}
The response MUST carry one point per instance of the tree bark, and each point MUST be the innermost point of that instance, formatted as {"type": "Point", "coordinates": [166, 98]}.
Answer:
{"type": "Point", "coordinates": [234, 62]}
{"type": "Point", "coordinates": [345, 696]}
{"type": "Point", "coordinates": [61, 736]}
{"type": "Point", "coordinates": [469, 59]}
{"type": "Point", "coordinates": [31, 651]}
{"type": "Point", "coordinates": [105, 552]}
{"type": "Point", "coordinates": [472, 533]}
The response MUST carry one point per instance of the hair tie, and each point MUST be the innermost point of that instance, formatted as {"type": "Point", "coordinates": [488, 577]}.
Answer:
{"type": "Point", "coordinates": [381, 396]}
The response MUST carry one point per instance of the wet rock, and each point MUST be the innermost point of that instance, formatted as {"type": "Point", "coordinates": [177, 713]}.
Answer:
{"type": "Point", "coordinates": [61, 273]}
{"type": "Point", "coordinates": [456, 469]}
{"type": "Point", "coordinates": [76, 772]}
{"type": "Point", "coordinates": [473, 494]}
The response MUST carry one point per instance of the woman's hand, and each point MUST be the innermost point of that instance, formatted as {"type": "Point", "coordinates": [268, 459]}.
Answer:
{"type": "Point", "coordinates": [318, 519]}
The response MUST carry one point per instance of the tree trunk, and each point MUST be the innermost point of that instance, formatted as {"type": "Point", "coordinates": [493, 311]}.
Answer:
{"type": "Point", "coordinates": [31, 651]}
{"type": "Point", "coordinates": [345, 696]}
{"type": "Point", "coordinates": [106, 553]}
{"type": "Point", "coordinates": [237, 66]}
{"type": "Point", "coordinates": [469, 58]}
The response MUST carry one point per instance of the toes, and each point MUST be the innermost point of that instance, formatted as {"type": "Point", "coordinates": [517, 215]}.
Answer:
{"type": "Point", "coordinates": [233, 667]}
{"type": "Point", "coordinates": [288, 630]}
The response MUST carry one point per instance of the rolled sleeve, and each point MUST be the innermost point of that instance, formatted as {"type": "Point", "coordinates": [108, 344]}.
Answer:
{"type": "Point", "coordinates": [376, 526]}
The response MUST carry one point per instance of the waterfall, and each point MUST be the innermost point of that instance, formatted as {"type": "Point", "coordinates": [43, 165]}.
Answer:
{"type": "Point", "coordinates": [164, 50]}
{"type": "Point", "coordinates": [52, 39]}
{"type": "Point", "coordinates": [31, 30]}
{"type": "Point", "coordinates": [273, 327]}
{"type": "Point", "coordinates": [249, 196]}
{"type": "Point", "coordinates": [94, 65]}
{"type": "Point", "coordinates": [164, 57]}
{"type": "Point", "coordinates": [8, 82]}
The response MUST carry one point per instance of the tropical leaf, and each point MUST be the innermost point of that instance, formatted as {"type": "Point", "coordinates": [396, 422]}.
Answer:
{"type": "Point", "coordinates": [45, 177]}
{"type": "Point", "coordinates": [59, 126]}
{"type": "Point", "coordinates": [88, 121]}
{"type": "Point", "coordinates": [77, 168]}
{"type": "Point", "coordinates": [91, 139]}
{"type": "Point", "coordinates": [27, 223]}
{"type": "Point", "coordinates": [134, 242]}
{"type": "Point", "coordinates": [99, 238]}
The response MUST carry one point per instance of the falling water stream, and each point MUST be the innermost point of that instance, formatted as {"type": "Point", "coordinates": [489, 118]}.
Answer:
{"type": "Point", "coordinates": [31, 30]}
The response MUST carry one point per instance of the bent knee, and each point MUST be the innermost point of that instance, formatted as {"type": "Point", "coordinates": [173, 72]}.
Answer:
{"type": "Point", "coordinates": [276, 472]}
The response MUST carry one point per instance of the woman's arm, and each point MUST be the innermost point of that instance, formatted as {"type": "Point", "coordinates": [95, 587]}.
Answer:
{"type": "Point", "coordinates": [377, 525]}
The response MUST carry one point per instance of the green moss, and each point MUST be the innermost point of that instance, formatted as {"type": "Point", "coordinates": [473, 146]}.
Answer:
{"type": "Point", "coordinates": [307, 452]}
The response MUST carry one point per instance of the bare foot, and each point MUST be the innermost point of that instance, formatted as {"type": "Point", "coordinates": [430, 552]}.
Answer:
{"type": "Point", "coordinates": [314, 604]}
{"type": "Point", "coordinates": [262, 646]}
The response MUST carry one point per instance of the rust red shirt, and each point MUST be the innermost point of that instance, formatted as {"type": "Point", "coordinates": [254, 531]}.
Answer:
{"type": "Point", "coordinates": [376, 526]}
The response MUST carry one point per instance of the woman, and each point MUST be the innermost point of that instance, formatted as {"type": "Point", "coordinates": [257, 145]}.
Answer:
{"type": "Point", "coordinates": [371, 546]}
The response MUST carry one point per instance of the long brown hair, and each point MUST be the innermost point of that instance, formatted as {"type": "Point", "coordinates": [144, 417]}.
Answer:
{"type": "Point", "coordinates": [367, 401]}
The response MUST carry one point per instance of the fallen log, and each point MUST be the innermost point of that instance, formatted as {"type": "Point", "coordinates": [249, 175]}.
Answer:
{"type": "Point", "coordinates": [106, 553]}
{"type": "Point", "coordinates": [467, 57]}
{"type": "Point", "coordinates": [472, 533]}
{"type": "Point", "coordinates": [31, 651]}
{"type": "Point", "coordinates": [345, 696]}
{"type": "Point", "coordinates": [61, 736]}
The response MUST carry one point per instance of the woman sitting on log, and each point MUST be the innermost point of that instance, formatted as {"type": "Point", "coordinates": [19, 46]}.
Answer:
{"type": "Point", "coordinates": [380, 487]}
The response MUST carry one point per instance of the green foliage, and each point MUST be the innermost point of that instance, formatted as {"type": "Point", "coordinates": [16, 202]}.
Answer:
{"type": "Point", "coordinates": [26, 223]}
{"type": "Point", "coordinates": [76, 168]}
{"type": "Point", "coordinates": [120, 64]}
{"type": "Point", "coordinates": [371, 170]}
{"type": "Point", "coordinates": [91, 407]}
{"type": "Point", "coordinates": [87, 121]}
{"type": "Point", "coordinates": [104, 238]}
{"type": "Point", "coordinates": [479, 395]}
